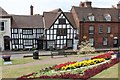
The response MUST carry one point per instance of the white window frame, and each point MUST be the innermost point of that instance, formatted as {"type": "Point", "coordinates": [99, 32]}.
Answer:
{"type": "Point", "coordinates": [3, 25]}
{"type": "Point", "coordinates": [105, 41]}
{"type": "Point", "coordinates": [91, 28]}
{"type": "Point", "coordinates": [91, 41]}
{"type": "Point", "coordinates": [108, 29]}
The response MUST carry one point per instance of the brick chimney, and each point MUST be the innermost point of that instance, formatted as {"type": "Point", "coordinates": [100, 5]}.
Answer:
{"type": "Point", "coordinates": [86, 4]}
{"type": "Point", "coordinates": [31, 10]}
{"type": "Point", "coordinates": [118, 5]}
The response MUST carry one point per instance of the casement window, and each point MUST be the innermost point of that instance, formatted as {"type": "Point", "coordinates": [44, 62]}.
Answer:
{"type": "Point", "coordinates": [28, 31]}
{"type": "Point", "coordinates": [101, 29]}
{"type": "Point", "coordinates": [61, 32]}
{"type": "Point", "coordinates": [2, 26]}
{"type": "Point", "coordinates": [108, 29]}
{"type": "Point", "coordinates": [62, 21]}
{"type": "Point", "coordinates": [28, 42]}
{"type": "Point", "coordinates": [105, 41]}
{"type": "Point", "coordinates": [107, 17]}
{"type": "Point", "coordinates": [91, 40]}
{"type": "Point", "coordinates": [91, 29]}
{"type": "Point", "coordinates": [50, 43]}
{"type": "Point", "coordinates": [15, 41]}
{"type": "Point", "coordinates": [15, 31]}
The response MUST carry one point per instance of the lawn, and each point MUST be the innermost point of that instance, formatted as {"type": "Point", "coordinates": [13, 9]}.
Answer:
{"type": "Point", "coordinates": [111, 72]}
{"type": "Point", "coordinates": [14, 73]}
{"type": "Point", "coordinates": [16, 61]}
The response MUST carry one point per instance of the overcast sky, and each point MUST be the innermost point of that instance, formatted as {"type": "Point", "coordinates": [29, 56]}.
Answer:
{"type": "Point", "coordinates": [22, 7]}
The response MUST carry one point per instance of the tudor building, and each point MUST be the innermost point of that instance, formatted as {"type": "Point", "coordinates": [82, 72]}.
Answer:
{"type": "Point", "coordinates": [100, 26]}
{"type": "Point", "coordinates": [55, 28]}
{"type": "Point", "coordinates": [27, 31]}
{"type": "Point", "coordinates": [60, 29]}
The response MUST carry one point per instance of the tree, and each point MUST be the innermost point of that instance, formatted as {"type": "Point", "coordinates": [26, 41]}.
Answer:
{"type": "Point", "coordinates": [86, 48]}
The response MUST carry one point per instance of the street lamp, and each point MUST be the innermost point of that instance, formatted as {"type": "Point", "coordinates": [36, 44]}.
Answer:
{"type": "Point", "coordinates": [111, 36]}
{"type": "Point", "coordinates": [84, 37]}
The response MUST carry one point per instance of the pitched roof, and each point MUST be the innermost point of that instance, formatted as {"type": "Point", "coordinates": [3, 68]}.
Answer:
{"type": "Point", "coordinates": [49, 18]}
{"type": "Point", "coordinates": [70, 18]}
{"type": "Point", "coordinates": [56, 10]}
{"type": "Point", "coordinates": [3, 12]}
{"type": "Point", "coordinates": [27, 21]}
{"type": "Point", "coordinates": [99, 13]}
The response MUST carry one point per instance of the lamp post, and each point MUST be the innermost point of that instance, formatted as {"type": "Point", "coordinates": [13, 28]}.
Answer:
{"type": "Point", "coordinates": [111, 37]}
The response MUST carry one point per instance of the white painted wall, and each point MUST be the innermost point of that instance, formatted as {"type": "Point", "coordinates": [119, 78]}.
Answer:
{"type": "Point", "coordinates": [6, 32]}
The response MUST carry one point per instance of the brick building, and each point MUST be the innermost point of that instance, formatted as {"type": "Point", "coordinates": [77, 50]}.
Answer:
{"type": "Point", "coordinates": [100, 26]}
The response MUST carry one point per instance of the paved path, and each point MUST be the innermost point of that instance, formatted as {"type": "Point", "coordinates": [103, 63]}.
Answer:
{"type": "Point", "coordinates": [48, 60]}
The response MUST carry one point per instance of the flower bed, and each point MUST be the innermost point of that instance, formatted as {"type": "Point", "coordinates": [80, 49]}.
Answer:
{"type": "Point", "coordinates": [106, 56]}
{"type": "Point", "coordinates": [82, 64]}
{"type": "Point", "coordinates": [87, 73]}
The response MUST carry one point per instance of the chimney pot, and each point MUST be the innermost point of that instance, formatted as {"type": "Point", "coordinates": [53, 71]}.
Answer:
{"type": "Point", "coordinates": [31, 10]}
{"type": "Point", "coordinates": [86, 4]}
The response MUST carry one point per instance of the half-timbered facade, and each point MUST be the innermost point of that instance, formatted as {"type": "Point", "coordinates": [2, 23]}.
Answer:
{"type": "Point", "coordinates": [27, 32]}
{"type": "Point", "coordinates": [60, 31]}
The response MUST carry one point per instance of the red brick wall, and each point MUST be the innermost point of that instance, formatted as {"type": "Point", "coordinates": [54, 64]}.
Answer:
{"type": "Point", "coordinates": [98, 37]}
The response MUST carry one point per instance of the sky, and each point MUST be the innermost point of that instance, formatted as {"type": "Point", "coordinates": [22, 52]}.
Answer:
{"type": "Point", "coordinates": [22, 7]}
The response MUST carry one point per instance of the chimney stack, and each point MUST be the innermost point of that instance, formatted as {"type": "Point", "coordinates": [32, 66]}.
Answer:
{"type": "Point", "coordinates": [86, 4]}
{"type": "Point", "coordinates": [31, 10]}
{"type": "Point", "coordinates": [118, 5]}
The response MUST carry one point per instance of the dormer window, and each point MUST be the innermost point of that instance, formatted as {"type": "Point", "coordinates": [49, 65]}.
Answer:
{"type": "Point", "coordinates": [91, 17]}
{"type": "Point", "coordinates": [107, 17]}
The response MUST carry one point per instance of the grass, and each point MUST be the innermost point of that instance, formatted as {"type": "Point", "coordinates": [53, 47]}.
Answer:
{"type": "Point", "coordinates": [111, 72]}
{"type": "Point", "coordinates": [16, 61]}
{"type": "Point", "coordinates": [8, 73]}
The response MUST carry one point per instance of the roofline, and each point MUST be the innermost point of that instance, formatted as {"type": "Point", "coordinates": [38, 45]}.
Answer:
{"type": "Point", "coordinates": [5, 16]}
{"type": "Point", "coordinates": [93, 7]}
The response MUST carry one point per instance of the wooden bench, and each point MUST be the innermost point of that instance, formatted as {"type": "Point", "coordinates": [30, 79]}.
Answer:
{"type": "Point", "coordinates": [58, 52]}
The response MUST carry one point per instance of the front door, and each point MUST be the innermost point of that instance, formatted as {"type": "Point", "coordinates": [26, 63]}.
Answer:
{"type": "Point", "coordinates": [70, 44]}
{"type": "Point", "coordinates": [115, 42]}
{"type": "Point", "coordinates": [40, 44]}
{"type": "Point", "coordinates": [6, 42]}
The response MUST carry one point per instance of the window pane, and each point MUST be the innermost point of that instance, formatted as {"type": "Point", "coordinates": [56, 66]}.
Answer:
{"type": "Point", "coordinates": [91, 30]}
{"type": "Point", "coordinates": [2, 25]}
{"type": "Point", "coordinates": [62, 21]}
{"type": "Point", "coordinates": [91, 40]}
{"type": "Point", "coordinates": [100, 29]}
{"type": "Point", "coordinates": [105, 41]}
{"type": "Point", "coordinates": [108, 29]}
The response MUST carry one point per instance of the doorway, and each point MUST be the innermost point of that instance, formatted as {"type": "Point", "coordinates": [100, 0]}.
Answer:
{"type": "Point", "coordinates": [115, 42]}
{"type": "Point", "coordinates": [6, 42]}
{"type": "Point", "coordinates": [40, 44]}
{"type": "Point", "coordinates": [69, 43]}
